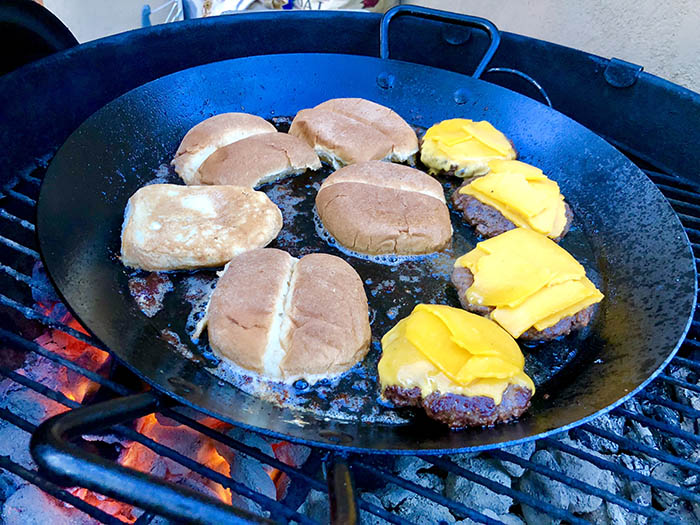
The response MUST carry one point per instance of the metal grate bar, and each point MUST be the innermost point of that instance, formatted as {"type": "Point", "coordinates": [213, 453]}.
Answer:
{"type": "Point", "coordinates": [36, 316]}
{"type": "Point", "coordinates": [678, 382]}
{"type": "Point", "coordinates": [30, 178]}
{"type": "Point", "coordinates": [35, 478]}
{"type": "Point", "coordinates": [517, 495]}
{"type": "Point", "coordinates": [21, 197]}
{"type": "Point", "coordinates": [623, 471]}
{"type": "Point", "coordinates": [689, 362]}
{"type": "Point", "coordinates": [38, 387]}
{"type": "Point", "coordinates": [677, 432]}
{"type": "Point", "coordinates": [19, 247]}
{"type": "Point", "coordinates": [582, 486]}
{"type": "Point", "coordinates": [684, 205]}
{"type": "Point", "coordinates": [681, 193]}
{"type": "Point", "coordinates": [267, 503]}
{"type": "Point", "coordinates": [670, 178]}
{"type": "Point", "coordinates": [678, 407]}
{"type": "Point", "coordinates": [688, 218]}
{"type": "Point", "coordinates": [37, 348]}
{"type": "Point", "coordinates": [242, 447]}
{"type": "Point", "coordinates": [144, 519]}
{"type": "Point", "coordinates": [16, 275]}
{"type": "Point", "coordinates": [382, 513]}
{"type": "Point", "coordinates": [263, 501]}
{"type": "Point", "coordinates": [631, 445]}
{"type": "Point", "coordinates": [25, 224]}
{"type": "Point", "coordinates": [17, 421]}
{"type": "Point", "coordinates": [426, 493]}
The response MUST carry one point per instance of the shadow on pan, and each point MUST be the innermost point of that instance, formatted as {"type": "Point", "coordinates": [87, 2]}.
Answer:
{"type": "Point", "coordinates": [625, 233]}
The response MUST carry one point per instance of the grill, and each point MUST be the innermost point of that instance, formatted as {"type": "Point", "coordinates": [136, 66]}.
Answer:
{"type": "Point", "coordinates": [638, 463]}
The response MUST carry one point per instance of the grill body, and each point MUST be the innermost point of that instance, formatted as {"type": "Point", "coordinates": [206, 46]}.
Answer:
{"type": "Point", "coordinates": [651, 120]}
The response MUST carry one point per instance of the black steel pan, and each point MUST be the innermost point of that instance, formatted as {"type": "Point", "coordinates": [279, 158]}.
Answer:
{"type": "Point", "coordinates": [625, 232]}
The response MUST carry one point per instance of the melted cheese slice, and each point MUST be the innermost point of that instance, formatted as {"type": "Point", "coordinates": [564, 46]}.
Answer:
{"type": "Point", "coordinates": [523, 195]}
{"type": "Point", "coordinates": [466, 144]}
{"type": "Point", "coordinates": [448, 350]}
{"type": "Point", "coordinates": [528, 279]}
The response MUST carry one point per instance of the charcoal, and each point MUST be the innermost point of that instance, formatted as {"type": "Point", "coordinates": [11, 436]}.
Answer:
{"type": "Point", "coordinates": [412, 469]}
{"type": "Point", "coordinates": [523, 451]}
{"type": "Point", "coordinates": [367, 518]}
{"type": "Point", "coordinates": [316, 507]}
{"type": "Point", "coordinates": [592, 441]}
{"type": "Point", "coordinates": [9, 484]}
{"type": "Point", "coordinates": [634, 490]}
{"type": "Point", "coordinates": [669, 474]}
{"type": "Point", "coordinates": [31, 506]}
{"type": "Point", "coordinates": [611, 514]}
{"type": "Point", "coordinates": [422, 510]}
{"type": "Point", "coordinates": [507, 519]}
{"type": "Point", "coordinates": [544, 488]}
{"type": "Point", "coordinates": [475, 495]}
{"type": "Point", "coordinates": [583, 470]}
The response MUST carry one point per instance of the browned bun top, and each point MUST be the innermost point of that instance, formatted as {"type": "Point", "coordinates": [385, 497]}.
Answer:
{"type": "Point", "coordinates": [350, 130]}
{"type": "Point", "coordinates": [383, 119]}
{"type": "Point", "coordinates": [328, 316]}
{"type": "Point", "coordinates": [258, 159]}
{"type": "Point", "coordinates": [288, 319]}
{"type": "Point", "coordinates": [213, 133]}
{"type": "Point", "coordinates": [243, 306]}
{"type": "Point", "coordinates": [383, 208]}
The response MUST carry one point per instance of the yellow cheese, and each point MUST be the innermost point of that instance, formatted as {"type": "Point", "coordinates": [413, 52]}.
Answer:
{"type": "Point", "coordinates": [465, 145]}
{"type": "Point", "coordinates": [528, 279]}
{"type": "Point", "coordinates": [523, 195]}
{"type": "Point", "coordinates": [448, 350]}
{"type": "Point", "coordinates": [548, 302]}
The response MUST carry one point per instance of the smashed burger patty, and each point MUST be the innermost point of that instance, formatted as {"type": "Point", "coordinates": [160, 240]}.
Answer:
{"type": "Point", "coordinates": [383, 208]}
{"type": "Point", "coordinates": [173, 227]}
{"type": "Point", "coordinates": [526, 283]}
{"type": "Point", "coordinates": [348, 130]}
{"type": "Point", "coordinates": [463, 369]}
{"type": "Point", "coordinates": [463, 148]}
{"type": "Point", "coordinates": [285, 318]}
{"type": "Point", "coordinates": [513, 194]}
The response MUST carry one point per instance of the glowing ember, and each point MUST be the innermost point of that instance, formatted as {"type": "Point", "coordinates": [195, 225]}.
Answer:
{"type": "Point", "coordinates": [73, 385]}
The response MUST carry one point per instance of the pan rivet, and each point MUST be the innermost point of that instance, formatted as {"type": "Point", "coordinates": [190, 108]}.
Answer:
{"type": "Point", "coordinates": [385, 80]}
{"type": "Point", "coordinates": [461, 96]}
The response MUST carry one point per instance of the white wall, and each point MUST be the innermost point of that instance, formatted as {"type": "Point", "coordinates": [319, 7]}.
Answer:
{"type": "Point", "coordinates": [661, 35]}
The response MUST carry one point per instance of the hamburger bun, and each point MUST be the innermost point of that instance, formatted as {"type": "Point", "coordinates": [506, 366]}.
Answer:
{"type": "Point", "coordinates": [285, 318]}
{"type": "Point", "coordinates": [349, 130]}
{"type": "Point", "coordinates": [173, 227]}
{"type": "Point", "coordinates": [383, 208]}
{"type": "Point", "coordinates": [257, 160]}
{"type": "Point", "coordinates": [211, 134]}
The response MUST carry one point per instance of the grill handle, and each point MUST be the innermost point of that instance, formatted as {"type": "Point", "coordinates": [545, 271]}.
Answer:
{"type": "Point", "coordinates": [341, 492]}
{"type": "Point", "coordinates": [441, 16]}
{"type": "Point", "coordinates": [66, 463]}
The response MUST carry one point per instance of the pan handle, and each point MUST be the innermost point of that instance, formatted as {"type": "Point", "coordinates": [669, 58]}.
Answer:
{"type": "Point", "coordinates": [442, 16]}
{"type": "Point", "coordinates": [66, 463]}
{"type": "Point", "coordinates": [341, 492]}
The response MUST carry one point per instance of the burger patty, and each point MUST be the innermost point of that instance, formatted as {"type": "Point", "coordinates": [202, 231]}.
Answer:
{"type": "Point", "coordinates": [463, 278]}
{"type": "Point", "coordinates": [459, 411]}
{"type": "Point", "coordinates": [487, 220]}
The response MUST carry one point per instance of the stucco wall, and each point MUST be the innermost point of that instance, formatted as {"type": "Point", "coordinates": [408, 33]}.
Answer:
{"type": "Point", "coordinates": [661, 35]}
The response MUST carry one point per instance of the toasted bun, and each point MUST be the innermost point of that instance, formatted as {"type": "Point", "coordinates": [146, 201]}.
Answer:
{"type": "Point", "coordinates": [287, 318]}
{"type": "Point", "coordinates": [383, 208]}
{"type": "Point", "coordinates": [213, 133]}
{"type": "Point", "coordinates": [257, 160]}
{"type": "Point", "coordinates": [349, 130]}
{"type": "Point", "coordinates": [172, 227]}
